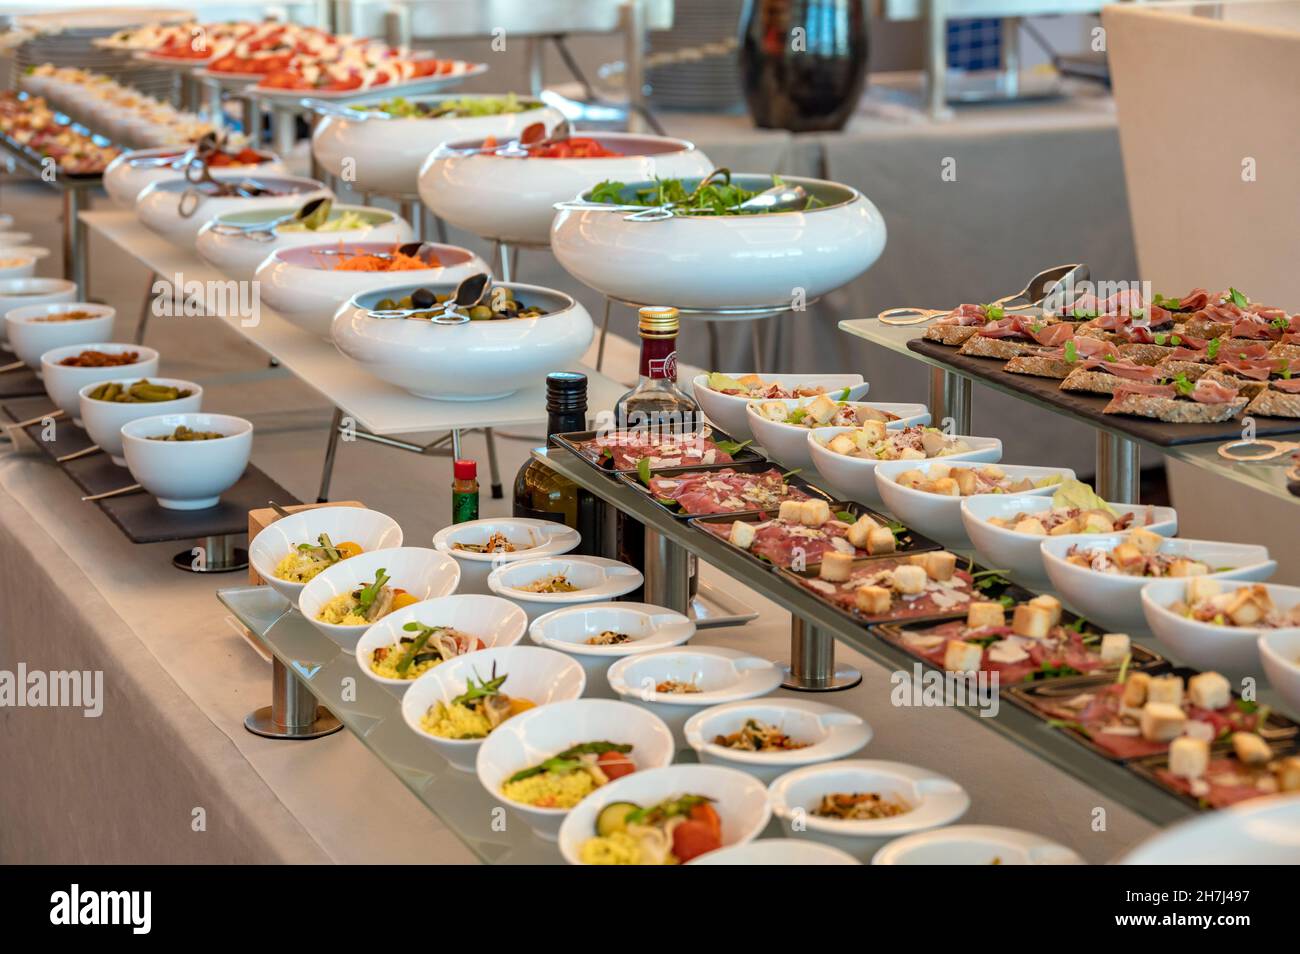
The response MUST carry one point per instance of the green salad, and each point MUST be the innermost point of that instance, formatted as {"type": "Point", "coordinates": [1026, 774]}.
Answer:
{"type": "Point", "coordinates": [714, 197]}
{"type": "Point", "coordinates": [401, 108]}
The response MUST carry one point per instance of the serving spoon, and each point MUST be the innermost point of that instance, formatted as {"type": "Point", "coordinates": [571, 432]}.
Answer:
{"type": "Point", "coordinates": [1037, 289]}
{"type": "Point", "coordinates": [468, 293]}
{"type": "Point", "coordinates": [313, 214]}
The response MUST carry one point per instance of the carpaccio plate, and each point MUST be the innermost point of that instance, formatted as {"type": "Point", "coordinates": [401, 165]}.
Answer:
{"type": "Point", "coordinates": [1223, 762]}
{"type": "Point", "coordinates": [1039, 668]}
{"type": "Point", "coordinates": [804, 490]}
{"type": "Point", "coordinates": [580, 443]}
{"type": "Point", "coordinates": [1048, 700]}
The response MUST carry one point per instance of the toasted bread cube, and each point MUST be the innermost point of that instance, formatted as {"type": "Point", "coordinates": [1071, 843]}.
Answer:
{"type": "Point", "coordinates": [836, 566]}
{"type": "Point", "coordinates": [813, 513]}
{"type": "Point", "coordinates": [1188, 757]}
{"type": "Point", "coordinates": [773, 410]}
{"type": "Point", "coordinates": [1073, 525]}
{"type": "Point", "coordinates": [939, 564]}
{"type": "Point", "coordinates": [985, 614]}
{"type": "Point", "coordinates": [1249, 605]}
{"type": "Point", "coordinates": [959, 656]}
{"type": "Point", "coordinates": [858, 533]}
{"type": "Point", "coordinates": [750, 380]}
{"type": "Point", "coordinates": [1200, 589]}
{"type": "Point", "coordinates": [1166, 689]}
{"type": "Point", "coordinates": [872, 600]}
{"type": "Point", "coordinates": [1115, 646]}
{"type": "Point", "coordinates": [967, 481]}
{"type": "Point", "coordinates": [1049, 603]}
{"type": "Point", "coordinates": [1251, 749]}
{"type": "Point", "coordinates": [992, 471]}
{"type": "Point", "coordinates": [1146, 541]}
{"type": "Point", "coordinates": [1161, 722]}
{"type": "Point", "coordinates": [870, 433]}
{"type": "Point", "coordinates": [1135, 690]}
{"type": "Point", "coordinates": [909, 580]}
{"type": "Point", "coordinates": [1209, 690]}
{"type": "Point", "coordinates": [842, 444]}
{"type": "Point", "coordinates": [1184, 567]}
{"type": "Point", "coordinates": [1031, 621]}
{"type": "Point", "coordinates": [910, 478]}
{"type": "Point", "coordinates": [1096, 521]}
{"type": "Point", "coordinates": [1127, 556]}
{"type": "Point", "coordinates": [944, 485]}
{"type": "Point", "coordinates": [881, 540]}
{"type": "Point", "coordinates": [911, 453]}
{"type": "Point", "coordinates": [1030, 525]}
{"type": "Point", "coordinates": [791, 510]}
{"type": "Point", "coordinates": [1287, 773]}
{"type": "Point", "coordinates": [742, 534]}
{"type": "Point", "coordinates": [821, 408]}
{"type": "Point", "coordinates": [941, 470]}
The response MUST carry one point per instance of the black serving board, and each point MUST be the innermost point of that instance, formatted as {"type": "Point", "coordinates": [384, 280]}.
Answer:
{"type": "Point", "coordinates": [1148, 767]}
{"type": "Point", "coordinates": [1089, 406]}
{"type": "Point", "coordinates": [137, 514]}
{"type": "Point", "coordinates": [751, 467]}
{"type": "Point", "coordinates": [572, 440]}
{"type": "Point", "coordinates": [20, 384]}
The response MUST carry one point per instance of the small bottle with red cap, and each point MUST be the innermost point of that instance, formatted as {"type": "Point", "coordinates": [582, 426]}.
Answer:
{"type": "Point", "coordinates": [464, 491]}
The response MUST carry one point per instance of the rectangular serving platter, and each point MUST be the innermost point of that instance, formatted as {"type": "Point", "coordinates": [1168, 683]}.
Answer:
{"type": "Point", "coordinates": [633, 479]}
{"type": "Point", "coordinates": [1147, 768]}
{"type": "Point", "coordinates": [572, 441]}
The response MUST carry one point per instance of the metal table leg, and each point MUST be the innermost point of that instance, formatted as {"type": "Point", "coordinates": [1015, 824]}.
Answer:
{"type": "Point", "coordinates": [509, 260]}
{"type": "Point", "coordinates": [667, 573]}
{"type": "Point", "coordinates": [494, 472]}
{"type": "Point", "coordinates": [413, 212]}
{"type": "Point", "coordinates": [604, 333]}
{"type": "Point", "coordinates": [331, 448]}
{"type": "Point", "coordinates": [212, 555]}
{"type": "Point", "coordinates": [950, 398]}
{"type": "Point", "coordinates": [812, 662]}
{"type": "Point", "coordinates": [715, 361]}
{"type": "Point", "coordinates": [146, 309]}
{"type": "Point", "coordinates": [293, 712]}
{"type": "Point", "coordinates": [74, 241]}
{"type": "Point", "coordinates": [1118, 468]}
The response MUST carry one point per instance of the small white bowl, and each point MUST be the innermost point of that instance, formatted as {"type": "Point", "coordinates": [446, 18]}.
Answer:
{"type": "Point", "coordinates": [1018, 553]}
{"type": "Point", "coordinates": [534, 736]}
{"type": "Point", "coordinates": [854, 478]}
{"type": "Point", "coordinates": [187, 475]}
{"type": "Point", "coordinates": [425, 574]}
{"type": "Point", "coordinates": [31, 334]}
{"type": "Point", "coordinates": [723, 675]}
{"type": "Point", "coordinates": [935, 800]}
{"type": "Point", "coordinates": [728, 410]}
{"type": "Point", "coordinates": [20, 265]}
{"type": "Point", "coordinates": [831, 733]}
{"type": "Point", "coordinates": [493, 621]}
{"type": "Point", "coordinates": [369, 529]}
{"type": "Point", "coordinates": [103, 420]}
{"type": "Point", "coordinates": [63, 383]}
{"type": "Point", "coordinates": [788, 443]}
{"type": "Point", "coordinates": [598, 579]}
{"type": "Point", "coordinates": [14, 238]}
{"type": "Point", "coordinates": [777, 851]}
{"type": "Point", "coordinates": [544, 537]}
{"type": "Point", "coordinates": [975, 845]}
{"type": "Point", "coordinates": [567, 630]}
{"type": "Point", "coordinates": [739, 799]}
{"type": "Point", "coordinates": [1279, 651]}
{"type": "Point", "coordinates": [24, 292]}
{"type": "Point", "coordinates": [1261, 831]}
{"type": "Point", "coordinates": [1231, 650]}
{"type": "Point", "coordinates": [1116, 599]}
{"type": "Point", "coordinates": [939, 515]}
{"type": "Point", "coordinates": [37, 252]}
{"type": "Point", "coordinates": [539, 675]}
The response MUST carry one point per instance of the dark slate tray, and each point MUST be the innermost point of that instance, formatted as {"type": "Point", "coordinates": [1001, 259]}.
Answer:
{"type": "Point", "coordinates": [19, 384]}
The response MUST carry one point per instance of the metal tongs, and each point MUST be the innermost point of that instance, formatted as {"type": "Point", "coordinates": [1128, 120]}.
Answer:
{"type": "Point", "coordinates": [198, 173]}
{"type": "Point", "coordinates": [533, 136]}
{"type": "Point", "coordinates": [1040, 287]}
{"type": "Point", "coordinates": [455, 310]}
{"type": "Point", "coordinates": [775, 199]}
{"type": "Point", "coordinates": [314, 213]}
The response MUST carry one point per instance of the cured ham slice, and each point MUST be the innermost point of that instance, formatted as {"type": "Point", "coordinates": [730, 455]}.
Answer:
{"type": "Point", "coordinates": [1095, 347]}
{"type": "Point", "coordinates": [1054, 336]}
{"type": "Point", "coordinates": [965, 315]}
{"type": "Point", "coordinates": [1194, 300]}
{"type": "Point", "coordinates": [1250, 352]}
{"type": "Point", "coordinates": [1289, 385]}
{"type": "Point", "coordinates": [1129, 371]}
{"type": "Point", "coordinates": [1146, 390]}
{"type": "Point", "coordinates": [1209, 391]}
{"type": "Point", "coordinates": [1255, 370]}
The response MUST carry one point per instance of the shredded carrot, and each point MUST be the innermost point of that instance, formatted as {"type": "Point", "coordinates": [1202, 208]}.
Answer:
{"type": "Point", "coordinates": [392, 261]}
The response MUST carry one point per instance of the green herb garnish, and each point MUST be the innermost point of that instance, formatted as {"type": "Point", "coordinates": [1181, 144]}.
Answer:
{"type": "Point", "coordinates": [568, 760]}
{"type": "Point", "coordinates": [1071, 351]}
{"type": "Point", "coordinates": [1212, 349]}
{"type": "Point", "coordinates": [1238, 299]}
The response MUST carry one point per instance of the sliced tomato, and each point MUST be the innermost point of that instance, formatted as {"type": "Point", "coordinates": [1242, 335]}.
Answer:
{"type": "Point", "coordinates": [694, 838]}
{"type": "Point", "coordinates": [615, 764]}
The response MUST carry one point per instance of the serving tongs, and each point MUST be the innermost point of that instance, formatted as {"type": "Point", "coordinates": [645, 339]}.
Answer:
{"type": "Point", "coordinates": [1267, 449]}
{"type": "Point", "coordinates": [204, 147]}
{"type": "Point", "coordinates": [411, 249]}
{"type": "Point", "coordinates": [533, 136]}
{"type": "Point", "coordinates": [455, 310]}
{"type": "Point", "coordinates": [313, 214]}
{"type": "Point", "coordinates": [1040, 287]}
{"type": "Point", "coordinates": [778, 198]}
{"type": "Point", "coordinates": [198, 173]}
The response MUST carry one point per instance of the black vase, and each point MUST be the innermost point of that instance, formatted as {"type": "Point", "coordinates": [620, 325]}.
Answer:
{"type": "Point", "coordinates": [803, 62]}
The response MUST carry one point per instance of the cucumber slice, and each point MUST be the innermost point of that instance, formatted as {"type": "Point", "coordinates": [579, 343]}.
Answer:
{"type": "Point", "coordinates": [613, 817]}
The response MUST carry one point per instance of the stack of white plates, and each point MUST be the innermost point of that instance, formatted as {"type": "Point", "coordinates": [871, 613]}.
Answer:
{"type": "Point", "coordinates": [705, 80]}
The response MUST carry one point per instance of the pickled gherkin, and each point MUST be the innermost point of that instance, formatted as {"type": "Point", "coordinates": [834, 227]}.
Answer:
{"type": "Point", "coordinates": [183, 433]}
{"type": "Point", "coordinates": [139, 392]}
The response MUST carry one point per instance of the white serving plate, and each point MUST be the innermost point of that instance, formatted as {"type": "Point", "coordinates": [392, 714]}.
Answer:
{"type": "Point", "coordinates": [1019, 552]}
{"type": "Point", "coordinates": [777, 851]}
{"type": "Point", "coordinates": [534, 736]}
{"type": "Point", "coordinates": [30, 335]}
{"type": "Point", "coordinates": [63, 383]}
{"type": "Point", "coordinates": [369, 529]}
{"type": "Point", "coordinates": [25, 292]}
{"type": "Point", "coordinates": [473, 361]}
{"type": "Point", "coordinates": [239, 255]}
{"type": "Point", "coordinates": [513, 199]}
{"type": "Point", "coordinates": [103, 420]}
{"type": "Point", "coordinates": [384, 153]}
{"type": "Point", "coordinates": [1279, 652]}
{"type": "Point", "coordinates": [788, 443]}
{"type": "Point", "coordinates": [1262, 831]}
{"type": "Point", "coordinates": [158, 206]}
{"type": "Point", "coordinates": [422, 84]}
{"type": "Point", "coordinates": [540, 675]}
{"type": "Point", "coordinates": [126, 176]}
{"type": "Point", "coordinates": [832, 733]}
{"type": "Point", "coordinates": [494, 621]}
{"type": "Point", "coordinates": [187, 475]}
{"type": "Point", "coordinates": [935, 800]}
{"type": "Point", "coordinates": [854, 478]}
{"type": "Point", "coordinates": [1231, 650]}
{"type": "Point", "coordinates": [739, 799]}
{"type": "Point", "coordinates": [1116, 599]}
{"type": "Point", "coordinates": [728, 410]}
{"type": "Point", "coordinates": [723, 262]}
{"type": "Point", "coordinates": [295, 284]}
{"type": "Point", "coordinates": [547, 538]}
{"type": "Point", "coordinates": [975, 845]}
{"type": "Point", "coordinates": [598, 579]}
{"type": "Point", "coordinates": [425, 574]}
{"type": "Point", "coordinates": [567, 630]}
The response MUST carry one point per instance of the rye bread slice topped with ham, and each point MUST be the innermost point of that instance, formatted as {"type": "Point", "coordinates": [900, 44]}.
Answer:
{"type": "Point", "coordinates": [1207, 401]}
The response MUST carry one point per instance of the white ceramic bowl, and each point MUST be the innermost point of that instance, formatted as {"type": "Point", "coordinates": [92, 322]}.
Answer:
{"type": "Point", "coordinates": [301, 283]}
{"type": "Point", "coordinates": [739, 799]}
{"type": "Point", "coordinates": [1115, 599]}
{"type": "Point", "coordinates": [384, 153]}
{"type": "Point", "coordinates": [539, 734]}
{"type": "Point", "coordinates": [1231, 650]}
{"type": "Point", "coordinates": [6, 221]}
{"type": "Point", "coordinates": [493, 621]}
{"type": "Point", "coordinates": [103, 420]}
{"type": "Point", "coordinates": [369, 529]}
{"type": "Point", "coordinates": [854, 478]}
{"type": "Point", "coordinates": [1262, 831]}
{"type": "Point", "coordinates": [788, 443]}
{"type": "Point", "coordinates": [728, 410]}
{"type": "Point", "coordinates": [14, 238]}
{"type": "Point", "coordinates": [37, 252]}
{"type": "Point", "coordinates": [938, 515]}
{"type": "Point", "coordinates": [975, 845]}
{"type": "Point", "coordinates": [240, 255]}
{"type": "Point", "coordinates": [158, 205]}
{"type": "Point", "coordinates": [777, 851]}
{"type": "Point", "coordinates": [1279, 651]}
{"type": "Point", "coordinates": [513, 200]}
{"type": "Point", "coordinates": [132, 172]}
{"type": "Point", "coordinates": [651, 627]}
{"type": "Point", "coordinates": [425, 574]}
{"type": "Point", "coordinates": [473, 361]}
{"type": "Point", "coordinates": [829, 733]}
{"type": "Point", "coordinates": [598, 579]}
{"type": "Point", "coordinates": [934, 799]}
{"type": "Point", "coordinates": [722, 675]}
{"type": "Point", "coordinates": [733, 261]}
{"type": "Point", "coordinates": [542, 538]}
{"type": "Point", "coordinates": [1019, 552]}
{"type": "Point", "coordinates": [64, 382]}
{"type": "Point", "coordinates": [24, 292]}
{"type": "Point", "coordinates": [539, 675]}
{"type": "Point", "coordinates": [187, 475]}
{"type": "Point", "coordinates": [31, 333]}
{"type": "Point", "coordinates": [20, 265]}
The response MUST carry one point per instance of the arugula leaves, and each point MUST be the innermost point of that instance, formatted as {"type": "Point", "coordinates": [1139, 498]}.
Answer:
{"type": "Point", "coordinates": [1238, 299]}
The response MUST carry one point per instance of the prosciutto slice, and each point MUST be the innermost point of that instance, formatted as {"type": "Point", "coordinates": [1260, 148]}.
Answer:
{"type": "Point", "coordinates": [1254, 326]}
{"type": "Point", "coordinates": [1013, 326]}
{"type": "Point", "coordinates": [1095, 347]}
{"type": "Point", "coordinates": [1213, 392]}
{"type": "Point", "coordinates": [1255, 370]}
{"type": "Point", "coordinates": [1194, 300]}
{"type": "Point", "coordinates": [965, 315]}
{"type": "Point", "coordinates": [1289, 385]}
{"type": "Point", "coordinates": [1147, 390]}
{"type": "Point", "coordinates": [1250, 352]}
{"type": "Point", "coordinates": [1054, 336]}
{"type": "Point", "coordinates": [1128, 370]}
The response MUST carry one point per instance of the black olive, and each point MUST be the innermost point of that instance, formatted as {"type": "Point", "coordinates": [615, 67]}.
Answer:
{"type": "Point", "coordinates": [423, 298]}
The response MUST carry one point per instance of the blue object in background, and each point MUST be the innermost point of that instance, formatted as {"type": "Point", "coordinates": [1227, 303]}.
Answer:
{"type": "Point", "coordinates": [975, 44]}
